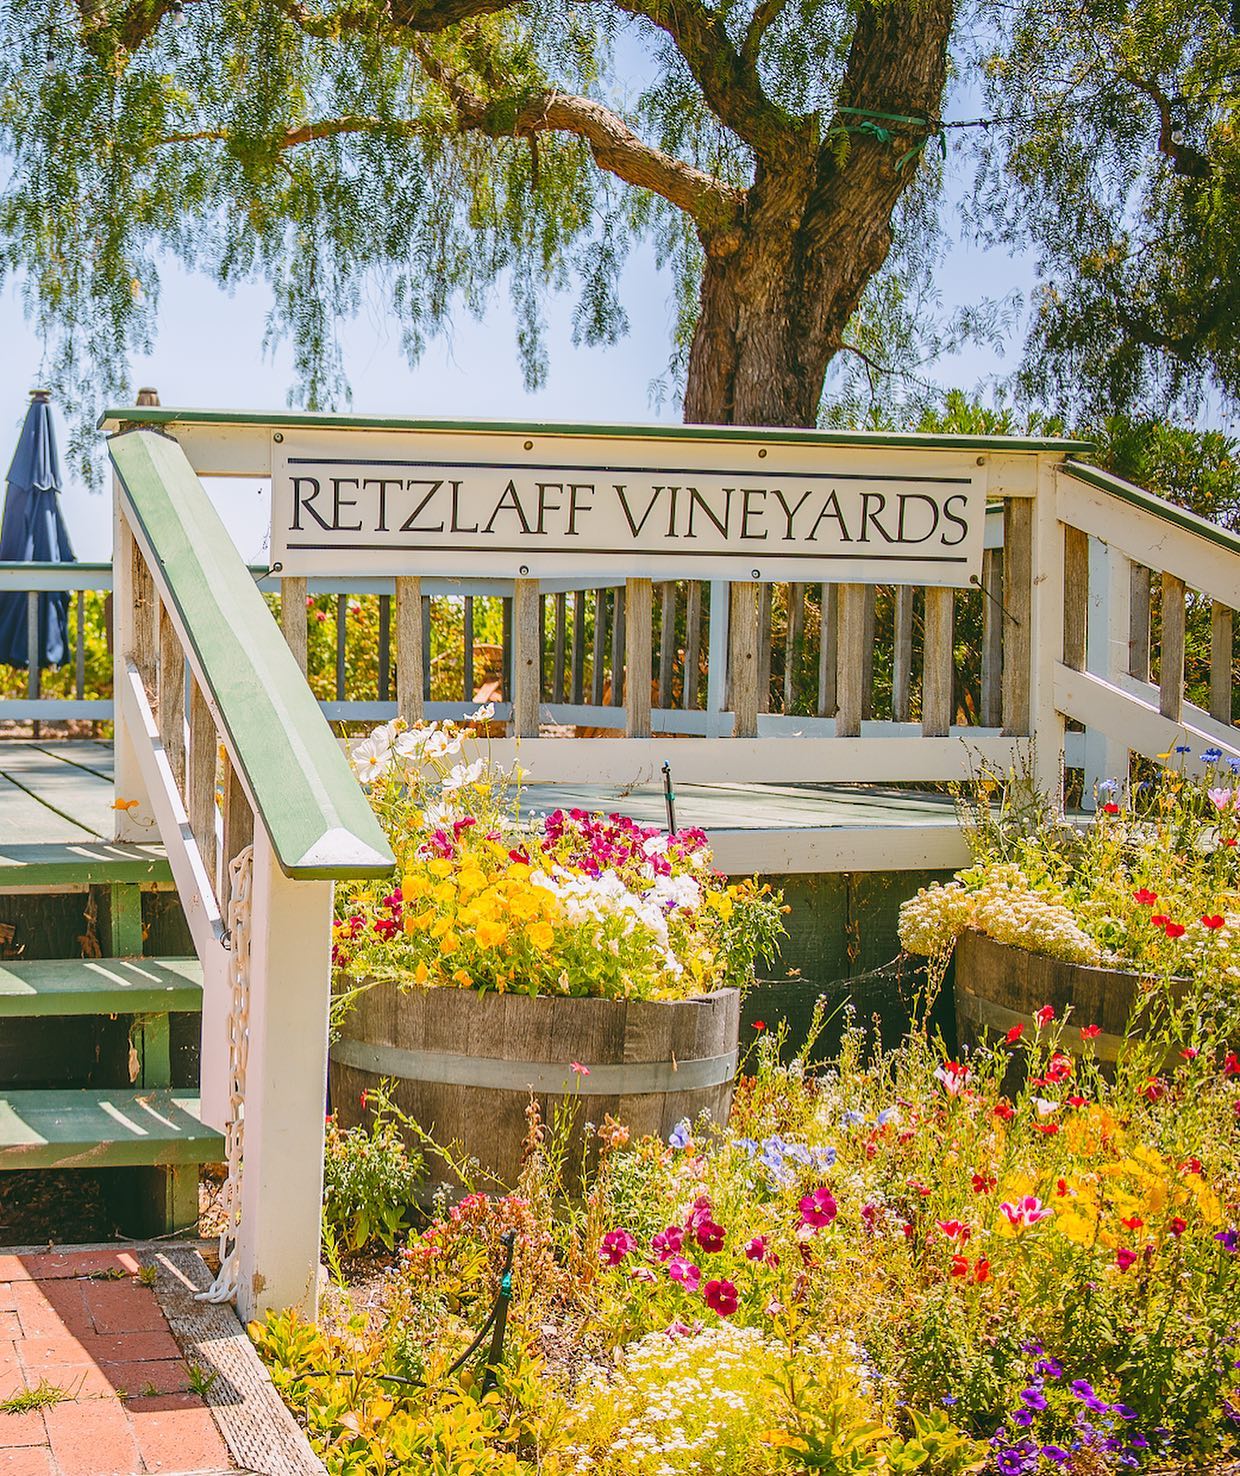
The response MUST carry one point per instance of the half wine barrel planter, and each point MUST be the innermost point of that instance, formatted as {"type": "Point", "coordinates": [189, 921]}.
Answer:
{"type": "Point", "coordinates": [465, 1064]}
{"type": "Point", "coordinates": [998, 986]}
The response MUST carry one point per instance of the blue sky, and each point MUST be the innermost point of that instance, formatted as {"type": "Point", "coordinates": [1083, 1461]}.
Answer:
{"type": "Point", "coordinates": [209, 354]}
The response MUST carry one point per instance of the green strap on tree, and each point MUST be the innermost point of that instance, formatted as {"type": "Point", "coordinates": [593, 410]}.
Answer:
{"type": "Point", "coordinates": [872, 124]}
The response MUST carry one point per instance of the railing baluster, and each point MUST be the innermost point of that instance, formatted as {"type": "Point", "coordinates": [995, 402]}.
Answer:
{"type": "Point", "coordinates": [238, 829]}
{"type": "Point", "coordinates": [1139, 623]}
{"type": "Point", "coordinates": [542, 647]}
{"type": "Point", "coordinates": [1018, 613]}
{"type": "Point", "coordinates": [667, 640]}
{"type": "Point", "coordinates": [200, 775]}
{"type": "Point", "coordinates": [851, 600]}
{"type": "Point", "coordinates": [527, 649]}
{"type": "Point", "coordinates": [561, 634]}
{"type": "Point", "coordinates": [79, 674]}
{"type": "Point", "coordinates": [828, 611]}
{"type": "Point", "coordinates": [902, 656]}
{"type": "Point", "coordinates": [598, 673]}
{"type": "Point", "coordinates": [409, 649]}
{"type": "Point", "coordinates": [639, 611]}
{"type": "Point", "coordinates": [578, 672]}
{"type": "Point", "coordinates": [792, 643]}
{"type": "Point", "coordinates": [765, 599]}
{"type": "Point", "coordinates": [506, 648]}
{"type": "Point", "coordinates": [342, 612]}
{"type": "Point", "coordinates": [1221, 685]}
{"type": "Point", "coordinates": [1075, 596]}
{"type": "Point", "coordinates": [385, 647]}
{"type": "Point", "coordinates": [426, 648]}
{"type": "Point", "coordinates": [467, 656]}
{"type": "Point", "coordinates": [1171, 649]}
{"type": "Point", "coordinates": [745, 657]}
{"type": "Point", "coordinates": [170, 708]}
{"type": "Point", "coordinates": [992, 638]}
{"type": "Point", "coordinates": [618, 646]}
{"type": "Point", "coordinates": [693, 645]}
{"type": "Point", "coordinates": [869, 625]}
{"type": "Point", "coordinates": [32, 647]}
{"type": "Point", "coordinates": [938, 666]}
{"type": "Point", "coordinates": [293, 618]}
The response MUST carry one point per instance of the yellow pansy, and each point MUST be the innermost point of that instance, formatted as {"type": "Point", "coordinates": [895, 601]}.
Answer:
{"type": "Point", "coordinates": [490, 934]}
{"type": "Point", "coordinates": [441, 866]}
{"type": "Point", "coordinates": [449, 943]}
{"type": "Point", "coordinates": [541, 935]}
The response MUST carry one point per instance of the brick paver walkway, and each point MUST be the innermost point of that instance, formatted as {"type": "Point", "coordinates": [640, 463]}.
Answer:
{"type": "Point", "coordinates": [82, 1324]}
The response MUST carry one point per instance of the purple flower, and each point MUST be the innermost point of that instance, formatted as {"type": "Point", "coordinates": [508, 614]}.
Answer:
{"type": "Point", "coordinates": [1229, 1240]}
{"type": "Point", "coordinates": [1049, 1368]}
{"type": "Point", "coordinates": [681, 1135]}
{"type": "Point", "coordinates": [1125, 1412]}
{"type": "Point", "coordinates": [1010, 1462]}
{"type": "Point", "coordinates": [1022, 1417]}
{"type": "Point", "coordinates": [1138, 1441]}
{"type": "Point", "coordinates": [1034, 1350]}
{"type": "Point", "coordinates": [1055, 1453]}
{"type": "Point", "coordinates": [616, 1245]}
{"type": "Point", "coordinates": [1083, 1389]}
{"type": "Point", "coordinates": [1033, 1397]}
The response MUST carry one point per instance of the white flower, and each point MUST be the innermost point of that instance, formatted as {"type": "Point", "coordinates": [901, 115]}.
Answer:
{"type": "Point", "coordinates": [462, 775]}
{"type": "Point", "coordinates": [484, 713]}
{"type": "Point", "coordinates": [371, 760]}
{"type": "Point", "coordinates": [1044, 1107]}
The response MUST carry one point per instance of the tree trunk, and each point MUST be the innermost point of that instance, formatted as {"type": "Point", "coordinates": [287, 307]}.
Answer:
{"type": "Point", "coordinates": [778, 291]}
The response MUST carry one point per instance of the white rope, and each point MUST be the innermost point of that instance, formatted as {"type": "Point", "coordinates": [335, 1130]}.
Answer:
{"type": "Point", "coordinates": [241, 874]}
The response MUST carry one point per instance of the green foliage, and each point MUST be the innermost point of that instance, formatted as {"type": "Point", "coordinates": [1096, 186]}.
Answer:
{"type": "Point", "coordinates": [370, 1178]}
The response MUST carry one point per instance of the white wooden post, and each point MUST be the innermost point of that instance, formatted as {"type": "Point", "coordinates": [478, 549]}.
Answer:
{"type": "Point", "coordinates": [1106, 647]}
{"type": "Point", "coordinates": [718, 718]}
{"type": "Point", "coordinates": [1046, 632]}
{"type": "Point", "coordinates": [133, 821]}
{"type": "Point", "coordinates": [286, 1073]}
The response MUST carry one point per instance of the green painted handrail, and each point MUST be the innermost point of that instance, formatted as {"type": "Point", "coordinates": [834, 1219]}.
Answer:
{"type": "Point", "coordinates": [119, 416]}
{"type": "Point", "coordinates": [1159, 507]}
{"type": "Point", "coordinates": [312, 807]}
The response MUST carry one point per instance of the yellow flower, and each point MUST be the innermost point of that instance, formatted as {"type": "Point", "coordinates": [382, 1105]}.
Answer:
{"type": "Point", "coordinates": [449, 943]}
{"type": "Point", "coordinates": [526, 905]}
{"type": "Point", "coordinates": [472, 880]}
{"type": "Point", "coordinates": [412, 887]}
{"type": "Point", "coordinates": [519, 871]}
{"type": "Point", "coordinates": [491, 934]}
{"type": "Point", "coordinates": [421, 974]}
{"type": "Point", "coordinates": [440, 866]}
{"type": "Point", "coordinates": [463, 979]}
{"type": "Point", "coordinates": [541, 935]}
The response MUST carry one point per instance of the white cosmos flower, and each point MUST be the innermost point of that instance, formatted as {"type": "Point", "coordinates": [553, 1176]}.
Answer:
{"type": "Point", "coordinates": [370, 760]}
{"type": "Point", "coordinates": [441, 745]}
{"type": "Point", "coordinates": [484, 713]}
{"type": "Point", "coordinates": [462, 774]}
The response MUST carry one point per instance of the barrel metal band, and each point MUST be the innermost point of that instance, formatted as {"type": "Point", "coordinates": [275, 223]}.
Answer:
{"type": "Point", "coordinates": [446, 1068]}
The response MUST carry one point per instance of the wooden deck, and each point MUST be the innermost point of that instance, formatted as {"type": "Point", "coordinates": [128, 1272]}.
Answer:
{"type": "Point", "coordinates": [56, 793]}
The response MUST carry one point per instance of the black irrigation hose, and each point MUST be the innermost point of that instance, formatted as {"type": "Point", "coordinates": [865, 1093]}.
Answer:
{"type": "Point", "coordinates": [496, 1323]}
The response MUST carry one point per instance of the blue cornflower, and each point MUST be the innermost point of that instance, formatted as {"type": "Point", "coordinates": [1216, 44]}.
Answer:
{"type": "Point", "coordinates": [1211, 755]}
{"type": "Point", "coordinates": [949, 1400]}
{"type": "Point", "coordinates": [1108, 786]}
{"type": "Point", "coordinates": [852, 1118]}
{"type": "Point", "coordinates": [1234, 765]}
{"type": "Point", "coordinates": [1182, 748]}
{"type": "Point", "coordinates": [681, 1135]}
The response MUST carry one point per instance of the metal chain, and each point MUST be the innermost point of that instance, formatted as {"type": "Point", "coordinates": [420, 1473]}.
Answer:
{"type": "Point", "coordinates": [241, 875]}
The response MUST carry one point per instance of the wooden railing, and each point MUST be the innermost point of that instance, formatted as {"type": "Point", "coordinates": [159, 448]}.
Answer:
{"type": "Point", "coordinates": [209, 701]}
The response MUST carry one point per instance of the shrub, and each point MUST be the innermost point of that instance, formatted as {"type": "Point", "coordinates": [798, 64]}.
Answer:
{"type": "Point", "coordinates": [370, 1179]}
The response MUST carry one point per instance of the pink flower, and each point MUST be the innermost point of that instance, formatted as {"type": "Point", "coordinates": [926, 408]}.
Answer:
{"type": "Point", "coordinates": [819, 1208]}
{"type": "Point", "coordinates": [1044, 1016]}
{"type": "Point", "coordinates": [684, 1272]}
{"type": "Point", "coordinates": [720, 1297]}
{"type": "Point", "coordinates": [1219, 798]}
{"type": "Point", "coordinates": [1124, 1258]}
{"type": "Point", "coordinates": [616, 1245]}
{"type": "Point", "coordinates": [954, 1076]}
{"type": "Point", "coordinates": [709, 1236]}
{"type": "Point", "coordinates": [667, 1243]}
{"type": "Point", "coordinates": [954, 1230]}
{"type": "Point", "coordinates": [1025, 1212]}
{"type": "Point", "coordinates": [578, 1069]}
{"type": "Point", "coordinates": [755, 1250]}
{"type": "Point", "coordinates": [702, 1211]}
{"type": "Point", "coordinates": [679, 1330]}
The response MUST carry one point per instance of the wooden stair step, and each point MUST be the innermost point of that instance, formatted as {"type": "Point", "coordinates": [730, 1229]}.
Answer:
{"type": "Point", "coordinates": [103, 1129]}
{"type": "Point", "coordinates": [80, 863]}
{"type": "Point", "coordinates": [99, 986]}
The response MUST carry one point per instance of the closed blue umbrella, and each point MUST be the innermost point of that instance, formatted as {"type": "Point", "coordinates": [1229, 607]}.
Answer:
{"type": "Point", "coordinates": [33, 531]}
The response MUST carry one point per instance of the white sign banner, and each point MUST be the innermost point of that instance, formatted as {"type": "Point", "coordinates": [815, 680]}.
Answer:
{"type": "Point", "coordinates": [542, 505]}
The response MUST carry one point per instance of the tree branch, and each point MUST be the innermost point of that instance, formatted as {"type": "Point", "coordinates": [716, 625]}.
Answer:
{"type": "Point", "coordinates": [1185, 159]}
{"type": "Point", "coordinates": [766, 12]}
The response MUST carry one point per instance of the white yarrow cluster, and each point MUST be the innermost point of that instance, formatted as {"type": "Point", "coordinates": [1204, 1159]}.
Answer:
{"type": "Point", "coordinates": [1005, 908]}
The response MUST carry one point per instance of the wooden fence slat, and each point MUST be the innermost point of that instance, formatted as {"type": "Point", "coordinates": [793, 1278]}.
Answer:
{"type": "Point", "coordinates": [557, 674]}
{"type": "Point", "coordinates": [938, 666]}
{"type": "Point", "coordinates": [170, 709]}
{"type": "Point", "coordinates": [578, 663]}
{"type": "Point", "coordinates": [851, 600]}
{"type": "Point", "coordinates": [342, 631]}
{"type": "Point", "coordinates": [409, 649]}
{"type": "Point", "coordinates": [1171, 649]}
{"type": "Point", "coordinates": [293, 618]}
{"type": "Point", "coordinates": [1139, 623]}
{"type": "Point", "coordinates": [384, 675]}
{"type": "Point", "coordinates": [618, 646]}
{"type": "Point", "coordinates": [765, 593]}
{"type": "Point", "coordinates": [1221, 685]}
{"type": "Point", "coordinates": [992, 638]}
{"type": "Point", "coordinates": [1017, 613]}
{"type": "Point", "coordinates": [745, 657]}
{"type": "Point", "coordinates": [639, 610]}
{"type": "Point", "coordinates": [902, 655]}
{"type": "Point", "coordinates": [667, 640]}
{"type": "Point", "coordinates": [526, 652]}
{"type": "Point", "coordinates": [542, 647]}
{"type": "Point", "coordinates": [869, 640]}
{"type": "Point", "coordinates": [598, 674]}
{"type": "Point", "coordinates": [145, 617]}
{"type": "Point", "coordinates": [1075, 596]}
{"type": "Point", "coordinates": [693, 644]}
{"type": "Point", "coordinates": [468, 685]}
{"type": "Point", "coordinates": [792, 643]}
{"type": "Point", "coordinates": [828, 598]}
{"type": "Point", "coordinates": [200, 775]}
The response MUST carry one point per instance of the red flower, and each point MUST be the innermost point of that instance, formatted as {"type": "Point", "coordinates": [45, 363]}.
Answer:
{"type": "Point", "coordinates": [960, 1266]}
{"type": "Point", "coordinates": [983, 1183]}
{"type": "Point", "coordinates": [1014, 1034]}
{"type": "Point", "coordinates": [755, 1250]}
{"type": "Point", "coordinates": [1155, 1089]}
{"type": "Point", "coordinates": [1174, 930]}
{"type": "Point", "coordinates": [1134, 1222]}
{"type": "Point", "coordinates": [1160, 920]}
{"type": "Point", "coordinates": [1229, 840]}
{"type": "Point", "coordinates": [1076, 1101]}
{"type": "Point", "coordinates": [1124, 1258]}
{"type": "Point", "coordinates": [362, 1099]}
{"type": "Point", "coordinates": [720, 1297]}
{"type": "Point", "coordinates": [1004, 1111]}
{"type": "Point", "coordinates": [759, 1025]}
{"type": "Point", "coordinates": [1110, 808]}
{"type": "Point", "coordinates": [1049, 1128]}
{"type": "Point", "coordinates": [1191, 1166]}
{"type": "Point", "coordinates": [1145, 896]}
{"type": "Point", "coordinates": [1044, 1016]}
{"type": "Point", "coordinates": [1061, 1188]}
{"type": "Point", "coordinates": [1090, 1032]}
{"type": "Point", "coordinates": [1190, 1053]}
{"type": "Point", "coordinates": [709, 1236]}
{"type": "Point", "coordinates": [981, 1271]}
{"type": "Point", "coordinates": [1212, 920]}
{"type": "Point", "coordinates": [1178, 1226]}
{"type": "Point", "coordinates": [954, 1230]}
{"type": "Point", "coordinates": [1231, 1064]}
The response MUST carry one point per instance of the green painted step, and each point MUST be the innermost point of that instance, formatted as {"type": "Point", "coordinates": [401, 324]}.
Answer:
{"type": "Point", "coordinates": [85, 863]}
{"type": "Point", "coordinates": [103, 1129]}
{"type": "Point", "coordinates": [100, 986]}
